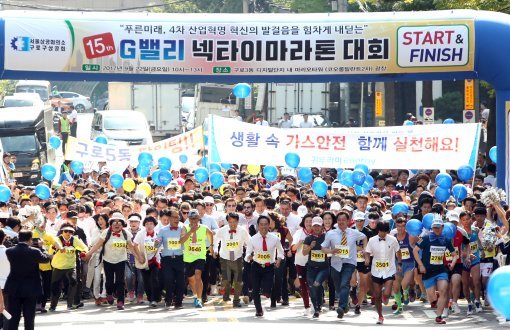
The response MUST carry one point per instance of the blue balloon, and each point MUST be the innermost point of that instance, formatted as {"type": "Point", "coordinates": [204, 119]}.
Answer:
{"type": "Point", "coordinates": [305, 174]}
{"type": "Point", "coordinates": [414, 227]}
{"type": "Point", "coordinates": [205, 161]}
{"type": "Point", "coordinates": [5, 193]}
{"type": "Point", "coordinates": [116, 180]}
{"type": "Point", "coordinates": [369, 180]}
{"type": "Point", "coordinates": [358, 177]}
{"type": "Point", "coordinates": [226, 166]}
{"type": "Point", "coordinates": [408, 123]}
{"type": "Point", "coordinates": [183, 159]}
{"type": "Point", "coordinates": [399, 207]}
{"type": "Point", "coordinates": [449, 230]}
{"type": "Point", "coordinates": [339, 172]}
{"type": "Point", "coordinates": [214, 167]}
{"type": "Point", "coordinates": [145, 158]}
{"type": "Point", "coordinates": [320, 188]}
{"type": "Point", "coordinates": [164, 163]}
{"type": "Point", "coordinates": [201, 174]}
{"type": "Point", "coordinates": [459, 192]}
{"type": "Point", "coordinates": [361, 190]}
{"type": "Point", "coordinates": [101, 139]}
{"type": "Point", "coordinates": [465, 173]}
{"type": "Point", "coordinates": [362, 167]}
{"type": "Point", "coordinates": [42, 191]}
{"type": "Point", "coordinates": [427, 220]}
{"type": "Point", "coordinates": [442, 194]}
{"type": "Point", "coordinates": [346, 178]}
{"type": "Point", "coordinates": [77, 166]}
{"type": "Point", "coordinates": [143, 170]}
{"type": "Point", "coordinates": [270, 173]}
{"type": "Point", "coordinates": [292, 160]}
{"type": "Point", "coordinates": [242, 90]}
{"type": "Point", "coordinates": [155, 177]}
{"type": "Point", "coordinates": [444, 180]}
{"type": "Point", "coordinates": [217, 179]}
{"type": "Point", "coordinates": [206, 140]}
{"type": "Point", "coordinates": [164, 177]}
{"type": "Point", "coordinates": [48, 172]}
{"type": "Point", "coordinates": [449, 121]}
{"type": "Point", "coordinates": [493, 154]}
{"type": "Point", "coordinates": [498, 290]}
{"type": "Point", "coordinates": [55, 142]}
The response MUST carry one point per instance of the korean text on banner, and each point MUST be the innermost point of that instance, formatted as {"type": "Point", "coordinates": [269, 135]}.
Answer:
{"type": "Point", "coordinates": [187, 143]}
{"type": "Point", "coordinates": [256, 45]}
{"type": "Point", "coordinates": [409, 147]}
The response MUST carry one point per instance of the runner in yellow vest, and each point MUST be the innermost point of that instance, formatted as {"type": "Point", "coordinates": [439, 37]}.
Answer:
{"type": "Point", "coordinates": [64, 129]}
{"type": "Point", "coordinates": [193, 238]}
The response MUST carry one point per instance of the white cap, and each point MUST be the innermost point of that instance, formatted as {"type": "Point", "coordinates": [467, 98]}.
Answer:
{"type": "Point", "coordinates": [452, 216]}
{"type": "Point", "coordinates": [335, 206]}
{"type": "Point", "coordinates": [437, 221]}
{"type": "Point", "coordinates": [347, 208]}
{"type": "Point", "coordinates": [358, 216]}
{"type": "Point", "coordinates": [317, 221]}
{"type": "Point", "coordinates": [302, 210]}
{"type": "Point", "coordinates": [336, 185]}
{"type": "Point", "coordinates": [208, 199]}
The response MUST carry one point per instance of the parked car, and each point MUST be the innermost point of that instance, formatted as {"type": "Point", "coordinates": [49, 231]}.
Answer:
{"type": "Point", "coordinates": [129, 126]}
{"type": "Point", "coordinates": [22, 100]}
{"type": "Point", "coordinates": [81, 103]}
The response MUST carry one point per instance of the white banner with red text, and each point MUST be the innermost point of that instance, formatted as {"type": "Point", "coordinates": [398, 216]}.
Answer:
{"type": "Point", "coordinates": [397, 147]}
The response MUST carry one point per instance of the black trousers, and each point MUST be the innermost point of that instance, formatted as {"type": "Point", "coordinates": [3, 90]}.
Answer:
{"type": "Point", "coordinates": [291, 266]}
{"type": "Point", "coordinates": [246, 278]}
{"type": "Point", "coordinates": [151, 283]}
{"type": "Point", "coordinates": [173, 275]}
{"type": "Point", "coordinates": [46, 284]}
{"type": "Point", "coordinates": [280, 287]}
{"type": "Point", "coordinates": [57, 277]}
{"type": "Point", "coordinates": [65, 137]}
{"type": "Point", "coordinates": [16, 306]}
{"type": "Point", "coordinates": [261, 279]}
{"type": "Point", "coordinates": [114, 274]}
{"type": "Point", "coordinates": [210, 273]}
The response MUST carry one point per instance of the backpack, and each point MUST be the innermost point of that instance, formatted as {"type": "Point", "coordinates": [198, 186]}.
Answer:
{"type": "Point", "coordinates": [106, 239]}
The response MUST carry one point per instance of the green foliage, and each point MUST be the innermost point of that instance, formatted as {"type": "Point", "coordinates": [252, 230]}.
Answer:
{"type": "Point", "coordinates": [7, 87]}
{"type": "Point", "coordinates": [450, 105]}
{"type": "Point", "coordinates": [491, 5]}
{"type": "Point", "coordinates": [310, 6]}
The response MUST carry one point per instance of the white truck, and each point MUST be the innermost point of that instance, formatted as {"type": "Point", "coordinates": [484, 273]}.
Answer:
{"type": "Point", "coordinates": [213, 99]}
{"type": "Point", "coordinates": [159, 102]}
{"type": "Point", "coordinates": [294, 98]}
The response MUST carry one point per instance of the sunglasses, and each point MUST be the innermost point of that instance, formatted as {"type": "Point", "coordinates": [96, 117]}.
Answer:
{"type": "Point", "coordinates": [231, 205]}
{"type": "Point", "coordinates": [184, 212]}
{"type": "Point", "coordinates": [117, 221]}
{"type": "Point", "coordinates": [67, 231]}
{"type": "Point", "coordinates": [208, 204]}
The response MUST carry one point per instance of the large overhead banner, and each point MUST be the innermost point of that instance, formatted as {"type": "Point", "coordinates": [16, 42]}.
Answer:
{"type": "Point", "coordinates": [405, 147]}
{"type": "Point", "coordinates": [236, 45]}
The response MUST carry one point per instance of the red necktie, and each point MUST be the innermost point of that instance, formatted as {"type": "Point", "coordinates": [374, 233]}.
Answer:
{"type": "Point", "coordinates": [264, 248]}
{"type": "Point", "coordinates": [231, 231]}
{"type": "Point", "coordinates": [150, 235]}
{"type": "Point", "coordinates": [116, 234]}
{"type": "Point", "coordinates": [67, 243]}
{"type": "Point", "coordinates": [174, 228]}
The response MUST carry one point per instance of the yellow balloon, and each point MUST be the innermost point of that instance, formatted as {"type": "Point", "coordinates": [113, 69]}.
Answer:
{"type": "Point", "coordinates": [129, 185]}
{"type": "Point", "coordinates": [253, 169]}
{"type": "Point", "coordinates": [146, 188]}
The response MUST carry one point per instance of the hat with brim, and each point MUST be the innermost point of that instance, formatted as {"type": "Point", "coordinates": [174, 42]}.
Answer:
{"type": "Point", "coordinates": [67, 227]}
{"type": "Point", "coordinates": [317, 221]}
{"type": "Point", "coordinates": [117, 216]}
{"type": "Point", "coordinates": [437, 223]}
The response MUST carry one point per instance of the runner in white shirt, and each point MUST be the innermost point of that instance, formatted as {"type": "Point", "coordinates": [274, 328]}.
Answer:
{"type": "Point", "coordinates": [233, 240]}
{"type": "Point", "coordinates": [383, 248]}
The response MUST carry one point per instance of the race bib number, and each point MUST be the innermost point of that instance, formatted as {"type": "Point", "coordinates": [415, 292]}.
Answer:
{"type": "Point", "coordinates": [232, 245]}
{"type": "Point", "coordinates": [194, 248]}
{"type": "Point", "coordinates": [263, 257]}
{"type": "Point", "coordinates": [317, 256]}
{"type": "Point", "coordinates": [343, 251]}
{"type": "Point", "coordinates": [150, 248]}
{"type": "Point", "coordinates": [69, 250]}
{"type": "Point", "coordinates": [360, 257]}
{"type": "Point", "coordinates": [405, 253]}
{"type": "Point", "coordinates": [173, 244]}
{"type": "Point", "coordinates": [382, 264]}
{"type": "Point", "coordinates": [448, 256]}
{"type": "Point", "coordinates": [437, 255]}
{"type": "Point", "coordinates": [474, 247]}
{"type": "Point", "coordinates": [278, 235]}
{"type": "Point", "coordinates": [119, 244]}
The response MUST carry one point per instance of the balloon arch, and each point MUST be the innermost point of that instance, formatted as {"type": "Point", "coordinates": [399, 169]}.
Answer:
{"type": "Point", "coordinates": [233, 48]}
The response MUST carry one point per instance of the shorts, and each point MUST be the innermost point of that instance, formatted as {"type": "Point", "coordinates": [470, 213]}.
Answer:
{"type": "Point", "coordinates": [381, 281]}
{"type": "Point", "coordinates": [407, 266]}
{"type": "Point", "coordinates": [486, 268]}
{"type": "Point", "coordinates": [190, 267]}
{"type": "Point", "coordinates": [457, 269]}
{"type": "Point", "coordinates": [473, 264]}
{"type": "Point", "coordinates": [360, 267]}
{"type": "Point", "coordinates": [430, 282]}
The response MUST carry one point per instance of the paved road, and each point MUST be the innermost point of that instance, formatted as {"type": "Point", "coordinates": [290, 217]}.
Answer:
{"type": "Point", "coordinates": [221, 316]}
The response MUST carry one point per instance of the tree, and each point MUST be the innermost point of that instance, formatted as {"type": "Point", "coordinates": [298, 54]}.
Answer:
{"type": "Point", "coordinates": [7, 87]}
{"type": "Point", "coordinates": [450, 105]}
{"type": "Point", "coordinates": [502, 6]}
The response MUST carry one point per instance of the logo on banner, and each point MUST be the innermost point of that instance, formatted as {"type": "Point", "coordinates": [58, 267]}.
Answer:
{"type": "Point", "coordinates": [431, 46]}
{"type": "Point", "coordinates": [21, 44]}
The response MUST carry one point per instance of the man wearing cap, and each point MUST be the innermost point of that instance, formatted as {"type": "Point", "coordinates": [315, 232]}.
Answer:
{"type": "Point", "coordinates": [134, 278]}
{"type": "Point", "coordinates": [431, 263]}
{"type": "Point", "coordinates": [172, 262]}
{"type": "Point", "coordinates": [233, 239]}
{"type": "Point", "coordinates": [64, 266]}
{"type": "Point", "coordinates": [335, 207]}
{"type": "Point", "coordinates": [341, 242]}
{"type": "Point", "coordinates": [64, 129]}
{"type": "Point", "coordinates": [193, 237]}
{"type": "Point", "coordinates": [115, 242]}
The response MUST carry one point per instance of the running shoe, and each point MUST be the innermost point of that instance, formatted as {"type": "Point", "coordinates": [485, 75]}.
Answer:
{"type": "Point", "coordinates": [455, 308]}
{"type": "Point", "coordinates": [398, 311]}
{"type": "Point", "coordinates": [439, 320]}
{"type": "Point", "coordinates": [199, 304]}
{"type": "Point", "coordinates": [478, 307]}
{"type": "Point", "coordinates": [405, 298]}
{"type": "Point", "coordinates": [357, 310]}
{"type": "Point", "coordinates": [380, 320]}
{"type": "Point", "coordinates": [470, 309]}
